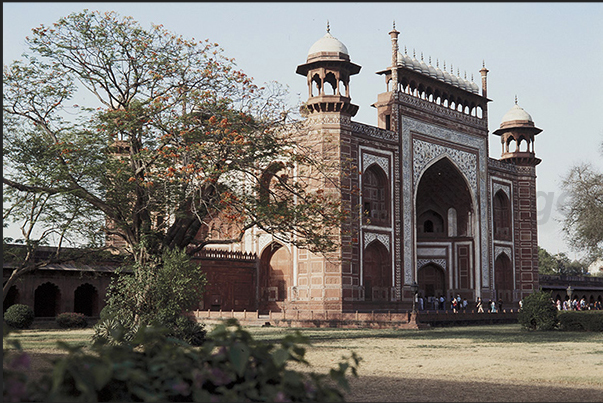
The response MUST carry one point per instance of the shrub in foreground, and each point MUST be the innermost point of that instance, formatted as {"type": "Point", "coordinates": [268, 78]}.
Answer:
{"type": "Point", "coordinates": [19, 316]}
{"type": "Point", "coordinates": [229, 366]}
{"type": "Point", "coordinates": [158, 293]}
{"type": "Point", "coordinates": [71, 320]}
{"type": "Point", "coordinates": [538, 312]}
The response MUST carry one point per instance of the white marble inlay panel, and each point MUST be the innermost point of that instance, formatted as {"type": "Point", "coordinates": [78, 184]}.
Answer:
{"type": "Point", "coordinates": [371, 236]}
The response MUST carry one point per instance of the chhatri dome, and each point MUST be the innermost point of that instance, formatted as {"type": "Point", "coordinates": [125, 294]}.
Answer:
{"type": "Point", "coordinates": [328, 43]}
{"type": "Point", "coordinates": [517, 113]}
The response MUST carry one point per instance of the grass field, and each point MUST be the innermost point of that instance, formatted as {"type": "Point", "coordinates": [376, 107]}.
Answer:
{"type": "Point", "coordinates": [475, 363]}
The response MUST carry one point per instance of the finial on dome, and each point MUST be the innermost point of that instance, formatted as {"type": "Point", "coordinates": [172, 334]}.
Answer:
{"type": "Point", "coordinates": [394, 27]}
{"type": "Point", "coordinates": [328, 27]}
{"type": "Point", "coordinates": [421, 56]}
{"type": "Point", "coordinates": [515, 99]}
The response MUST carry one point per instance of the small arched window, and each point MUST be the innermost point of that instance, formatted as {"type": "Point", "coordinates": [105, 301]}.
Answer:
{"type": "Point", "coordinates": [502, 216]}
{"type": "Point", "coordinates": [375, 196]}
{"type": "Point", "coordinates": [431, 223]}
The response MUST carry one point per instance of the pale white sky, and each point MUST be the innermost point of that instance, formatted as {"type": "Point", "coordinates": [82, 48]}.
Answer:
{"type": "Point", "coordinates": [549, 55]}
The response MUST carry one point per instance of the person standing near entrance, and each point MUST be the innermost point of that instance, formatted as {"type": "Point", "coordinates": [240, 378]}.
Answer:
{"type": "Point", "coordinates": [479, 305]}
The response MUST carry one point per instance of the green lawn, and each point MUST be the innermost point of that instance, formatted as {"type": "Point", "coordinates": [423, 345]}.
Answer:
{"type": "Point", "coordinates": [471, 363]}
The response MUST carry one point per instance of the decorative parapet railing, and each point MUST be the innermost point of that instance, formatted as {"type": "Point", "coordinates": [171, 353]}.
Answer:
{"type": "Point", "coordinates": [502, 166]}
{"type": "Point", "coordinates": [225, 255]}
{"type": "Point", "coordinates": [375, 132]}
{"type": "Point", "coordinates": [442, 111]}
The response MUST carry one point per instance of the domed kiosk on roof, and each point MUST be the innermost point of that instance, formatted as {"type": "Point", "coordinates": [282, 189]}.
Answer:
{"type": "Point", "coordinates": [518, 127]}
{"type": "Point", "coordinates": [327, 44]}
{"type": "Point", "coordinates": [328, 62]}
{"type": "Point", "coordinates": [517, 115]}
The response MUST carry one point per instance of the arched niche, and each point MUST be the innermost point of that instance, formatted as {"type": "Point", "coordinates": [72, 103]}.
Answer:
{"type": "Point", "coordinates": [375, 196]}
{"type": "Point", "coordinates": [13, 297]}
{"type": "Point", "coordinates": [503, 278]}
{"type": "Point", "coordinates": [47, 300]}
{"type": "Point", "coordinates": [441, 188]}
{"type": "Point", "coordinates": [275, 274]}
{"type": "Point", "coordinates": [376, 272]}
{"type": "Point", "coordinates": [501, 214]}
{"type": "Point", "coordinates": [85, 300]}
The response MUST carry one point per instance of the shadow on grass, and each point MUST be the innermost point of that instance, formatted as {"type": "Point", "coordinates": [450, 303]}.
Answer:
{"type": "Point", "coordinates": [386, 389]}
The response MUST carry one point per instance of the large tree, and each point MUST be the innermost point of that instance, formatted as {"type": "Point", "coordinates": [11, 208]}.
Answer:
{"type": "Point", "coordinates": [149, 138]}
{"type": "Point", "coordinates": [583, 209]}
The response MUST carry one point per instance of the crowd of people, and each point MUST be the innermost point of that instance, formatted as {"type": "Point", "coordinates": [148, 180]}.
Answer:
{"type": "Point", "coordinates": [578, 305]}
{"type": "Point", "coordinates": [458, 304]}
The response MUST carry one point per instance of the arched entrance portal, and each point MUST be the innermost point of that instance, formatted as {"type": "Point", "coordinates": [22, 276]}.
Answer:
{"type": "Point", "coordinates": [503, 278]}
{"type": "Point", "coordinates": [431, 279]}
{"type": "Point", "coordinates": [445, 228]}
{"type": "Point", "coordinates": [85, 300]}
{"type": "Point", "coordinates": [377, 273]}
{"type": "Point", "coordinates": [276, 276]}
{"type": "Point", "coordinates": [47, 299]}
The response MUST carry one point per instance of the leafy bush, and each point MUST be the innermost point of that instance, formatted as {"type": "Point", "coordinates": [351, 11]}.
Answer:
{"type": "Point", "coordinates": [229, 366]}
{"type": "Point", "coordinates": [590, 321]}
{"type": "Point", "coordinates": [71, 320]}
{"type": "Point", "coordinates": [19, 316]}
{"type": "Point", "coordinates": [113, 332]}
{"type": "Point", "coordinates": [156, 294]}
{"type": "Point", "coordinates": [538, 312]}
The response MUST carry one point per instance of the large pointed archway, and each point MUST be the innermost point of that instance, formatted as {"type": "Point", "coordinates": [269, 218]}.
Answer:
{"type": "Point", "coordinates": [445, 227]}
{"type": "Point", "coordinates": [443, 193]}
{"type": "Point", "coordinates": [275, 276]}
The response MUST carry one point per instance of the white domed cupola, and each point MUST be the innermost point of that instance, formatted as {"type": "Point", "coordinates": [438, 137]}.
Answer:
{"type": "Point", "coordinates": [328, 69]}
{"type": "Point", "coordinates": [328, 45]}
{"type": "Point", "coordinates": [517, 132]}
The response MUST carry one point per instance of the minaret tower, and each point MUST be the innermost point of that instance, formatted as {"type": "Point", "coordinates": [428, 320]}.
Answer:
{"type": "Point", "coordinates": [518, 127]}
{"type": "Point", "coordinates": [328, 69]}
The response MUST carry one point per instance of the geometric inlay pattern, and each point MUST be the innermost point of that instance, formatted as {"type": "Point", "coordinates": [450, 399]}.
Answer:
{"type": "Point", "coordinates": [383, 162]}
{"type": "Point", "coordinates": [472, 165]}
{"type": "Point", "coordinates": [371, 236]}
{"type": "Point", "coordinates": [425, 152]}
{"type": "Point", "coordinates": [439, 262]}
